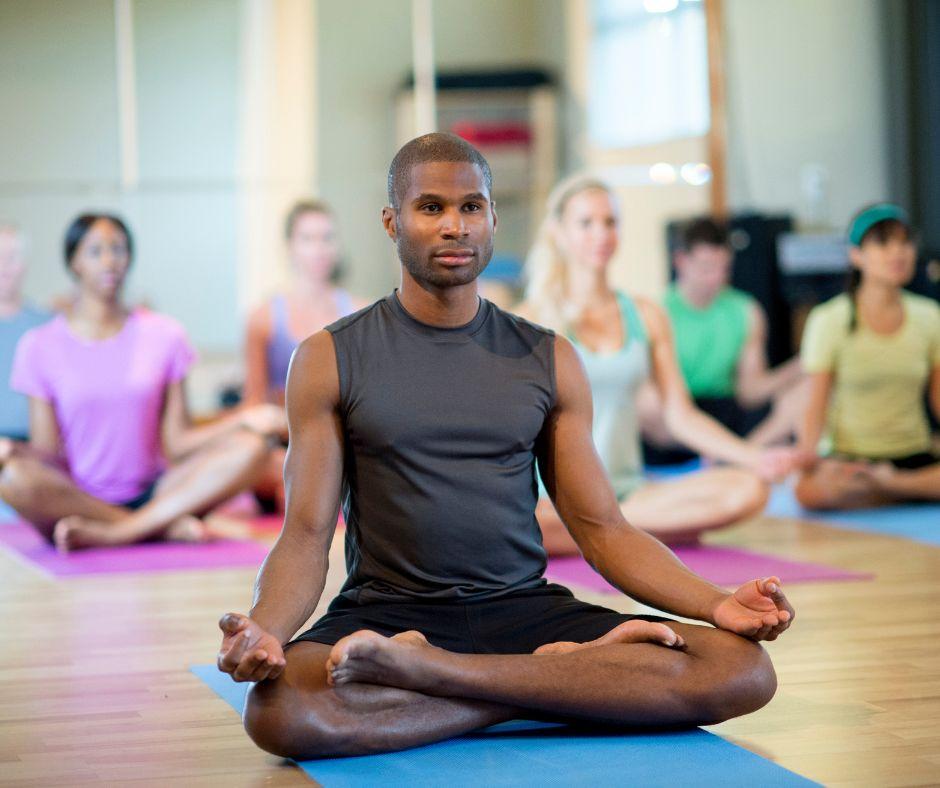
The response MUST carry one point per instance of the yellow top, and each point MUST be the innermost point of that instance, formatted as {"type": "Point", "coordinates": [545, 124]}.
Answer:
{"type": "Point", "coordinates": [877, 407]}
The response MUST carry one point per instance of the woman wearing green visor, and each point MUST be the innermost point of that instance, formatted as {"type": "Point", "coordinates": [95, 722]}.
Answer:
{"type": "Point", "coordinates": [872, 352]}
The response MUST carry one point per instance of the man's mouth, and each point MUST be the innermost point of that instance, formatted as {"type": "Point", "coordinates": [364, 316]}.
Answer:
{"type": "Point", "coordinates": [454, 256]}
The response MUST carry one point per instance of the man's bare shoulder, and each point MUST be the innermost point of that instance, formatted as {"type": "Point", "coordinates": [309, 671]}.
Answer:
{"type": "Point", "coordinates": [313, 371]}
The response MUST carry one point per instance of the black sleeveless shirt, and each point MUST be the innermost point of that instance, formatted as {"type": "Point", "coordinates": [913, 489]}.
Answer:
{"type": "Point", "coordinates": [440, 430]}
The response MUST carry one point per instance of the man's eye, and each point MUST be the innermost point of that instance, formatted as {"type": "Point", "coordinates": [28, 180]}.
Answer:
{"type": "Point", "coordinates": [473, 207]}
{"type": "Point", "coordinates": [432, 207]}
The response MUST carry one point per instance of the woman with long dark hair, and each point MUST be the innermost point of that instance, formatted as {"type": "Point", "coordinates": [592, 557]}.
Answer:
{"type": "Point", "coordinates": [113, 457]}
{"type": "Point", "coordinates": [872, 352]}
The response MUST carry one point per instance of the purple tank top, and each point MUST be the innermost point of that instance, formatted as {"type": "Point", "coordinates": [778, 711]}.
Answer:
{"type": "Point", "coordinates": [282, 343]}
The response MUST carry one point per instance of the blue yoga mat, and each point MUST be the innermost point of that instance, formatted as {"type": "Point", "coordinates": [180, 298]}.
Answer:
{"type": "Point", "coordinates": [917, 521]}
{"type": "Point", "coordinates": [534, 753]}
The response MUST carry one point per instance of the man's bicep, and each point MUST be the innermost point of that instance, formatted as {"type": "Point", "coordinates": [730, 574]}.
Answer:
{"type": "Point", "coordinates": [314, 466]}
{"type": "Point", "coordinates": [572, 471]}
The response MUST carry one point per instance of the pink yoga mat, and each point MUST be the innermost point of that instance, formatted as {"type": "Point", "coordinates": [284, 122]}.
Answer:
{"type": "Point", "coordinates": [23, 540]}
{"type": "Point", "coordinates": [724, 566]}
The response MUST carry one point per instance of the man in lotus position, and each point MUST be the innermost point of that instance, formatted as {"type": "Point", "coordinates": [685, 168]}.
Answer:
{"type": "Point", "coordinates": [424, 413]}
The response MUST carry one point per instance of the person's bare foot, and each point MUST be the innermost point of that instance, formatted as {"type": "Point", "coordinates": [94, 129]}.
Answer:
{"type": "Point", "coordinates": [76, 532]}
{"type": "Point", "coordinates": [188, 529]}
{"type": "Point", "coordinates": [6, 450]}
{"type": "Point", "coordinates": [636, 631]}
{"type": "Point", "coordinates": [370, 658]}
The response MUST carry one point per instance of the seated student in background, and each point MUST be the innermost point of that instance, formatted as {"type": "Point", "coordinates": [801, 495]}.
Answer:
{"type": "Point", "coordinates": [623, 342]}
{"type": "Point", "coordinates": [871, 353]}
{"type": "Point", "coordinates": [16, 318]}
{"type": "Point", "coordinates": [311, 301]}
{"type": "Point", "coordinates": [112, 457]}
{"type": "Point", "coordinates": [720, 334]}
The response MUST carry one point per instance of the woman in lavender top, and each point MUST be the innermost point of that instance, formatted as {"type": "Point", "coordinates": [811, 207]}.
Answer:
{"type": "Point", "coordinates": [113, 457]}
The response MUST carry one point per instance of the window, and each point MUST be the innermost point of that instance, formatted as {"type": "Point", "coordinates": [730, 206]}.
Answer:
{"type": "Point", "coordinates": [648, 72]}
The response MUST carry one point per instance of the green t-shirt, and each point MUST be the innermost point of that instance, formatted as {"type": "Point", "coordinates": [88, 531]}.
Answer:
{"type": "Point", "coordinates": [877, 407]}
{"type": "Point", "coordinates": [709, 341]}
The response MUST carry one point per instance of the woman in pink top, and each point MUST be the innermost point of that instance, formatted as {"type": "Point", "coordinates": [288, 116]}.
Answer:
{"type": "Point", "coordinates": [113, 458]}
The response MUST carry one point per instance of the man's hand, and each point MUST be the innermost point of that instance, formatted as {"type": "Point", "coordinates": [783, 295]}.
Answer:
{"type": "Point", "coordinates": [757, 610]}
{"type": "Point", "coordinates": [248, 653]}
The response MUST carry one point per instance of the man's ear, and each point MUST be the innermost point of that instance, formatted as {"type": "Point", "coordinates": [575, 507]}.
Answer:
{"type": "Point", "coordinates": [495, 217]}
{"type": "Point", "coordinates": [389, 215]}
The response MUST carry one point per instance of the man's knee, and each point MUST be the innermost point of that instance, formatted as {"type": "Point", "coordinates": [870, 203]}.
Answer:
{"type": "Point", "coordinates": [741, 680]}
{"type": "Point", "coordinates": [285, 722]}
{"type": "Point", "coordinates": [810, 494]}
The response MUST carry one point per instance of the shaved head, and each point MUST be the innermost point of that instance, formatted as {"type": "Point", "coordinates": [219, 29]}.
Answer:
{"type": "Point", "coordinates": [434, 147]}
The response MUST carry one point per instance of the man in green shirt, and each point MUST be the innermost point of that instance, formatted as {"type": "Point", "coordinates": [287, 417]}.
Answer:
{"type": "Point", "coordinates": [720, 335]}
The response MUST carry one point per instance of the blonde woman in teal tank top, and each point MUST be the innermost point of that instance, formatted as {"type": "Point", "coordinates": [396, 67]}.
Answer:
{"type": "Point", "coordinates": [623, 342]}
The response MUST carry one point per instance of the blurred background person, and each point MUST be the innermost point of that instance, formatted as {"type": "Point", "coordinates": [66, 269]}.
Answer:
{"type": "Point", "coordinates": [625, 341]}
{"type": "Point", "coordinates": [113, 458]}
{"type": "Point", "coordinates": [872, 353]}
{"type": "Point", "coordinates": [312, 299]}
{"type": "Point", "coordinates": [720, 335]}
{"type": "Point", "coordinates": [17, 316]}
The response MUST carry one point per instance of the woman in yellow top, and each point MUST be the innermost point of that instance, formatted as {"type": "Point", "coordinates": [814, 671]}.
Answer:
{"type": "Point", "coordinates": [871, 353]}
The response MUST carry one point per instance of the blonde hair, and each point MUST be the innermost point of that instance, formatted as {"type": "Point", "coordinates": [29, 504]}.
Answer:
{"type": "Point", "coordinates": [546, 270]}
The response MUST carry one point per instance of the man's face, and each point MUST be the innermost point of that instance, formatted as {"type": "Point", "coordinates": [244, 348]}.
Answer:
{"type": "Point", "coordinates": [444, 225]}
{"type": "Point", "coordinates": [706, 267]}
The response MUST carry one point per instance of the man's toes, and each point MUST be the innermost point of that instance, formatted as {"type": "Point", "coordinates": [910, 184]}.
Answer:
{"type": "Point", "coordinates": [561, 647]}
{"type": "Point", "coordinates": [640, 631]}
{"type": "Point", "coordinates": [412, 637]}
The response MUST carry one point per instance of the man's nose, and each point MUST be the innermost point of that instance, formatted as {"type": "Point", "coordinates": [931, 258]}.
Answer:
{"type": "Point", "coordinates": [453, 224]}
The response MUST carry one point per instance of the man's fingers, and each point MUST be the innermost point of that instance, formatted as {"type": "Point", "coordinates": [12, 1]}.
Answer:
{"type": "Point", "coordinates": [231, 659]}
{"type": "Point", "coordinates": [248, 664]}
{"type": "Point", "coordinates": [231, 623]}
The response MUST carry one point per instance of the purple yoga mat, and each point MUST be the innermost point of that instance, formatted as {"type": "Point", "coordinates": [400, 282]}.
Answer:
{"type": "Point", "coordinates": [724, 566]}
{"type": "Point", "coordinates": [23, 541]}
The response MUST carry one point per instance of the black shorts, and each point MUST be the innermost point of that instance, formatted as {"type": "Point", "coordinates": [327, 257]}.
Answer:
{"type": "Point", "coordinates": [911, 462]}
{"type": "Point", "coordinates": [517, 623]}
{"type": "Point", "coordinates": [143, 499]}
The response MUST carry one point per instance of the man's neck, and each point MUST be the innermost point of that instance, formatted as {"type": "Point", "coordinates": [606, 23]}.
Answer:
{"type": "Point", "coordinates": [697, 298]}
{"type": "Point", "coordinates": [445, 307]}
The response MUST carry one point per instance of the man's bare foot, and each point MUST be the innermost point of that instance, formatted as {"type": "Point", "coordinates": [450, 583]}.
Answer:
{"type": "Point", "coordinates": [370, 658]}
{"type": "Point", "coordinates": [636, 631]}
{"type": "Point", "coordinates": [75, 533]}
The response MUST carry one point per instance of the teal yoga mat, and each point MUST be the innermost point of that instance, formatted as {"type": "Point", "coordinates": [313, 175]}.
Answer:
{"type": "Point", "coordinates": [524, 753]}
{"type": "Point", "coordinates": [917, 521]}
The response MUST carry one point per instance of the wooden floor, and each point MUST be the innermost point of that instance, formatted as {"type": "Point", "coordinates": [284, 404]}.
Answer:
{"type": "Point", "coordinates": [94, 686]}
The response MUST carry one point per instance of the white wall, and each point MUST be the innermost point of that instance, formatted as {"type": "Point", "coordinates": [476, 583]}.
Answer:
{"type": "Point", "coordinates": [356, 99]}
{"type": "Point", "coordinates": [806, 88]}
{"type": "Point", "coordinates": [59, 151]}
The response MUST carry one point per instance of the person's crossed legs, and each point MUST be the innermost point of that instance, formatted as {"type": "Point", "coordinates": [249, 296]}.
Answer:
{"type": "Point", "coordinates": [675, 511]}
{"type": "Point", "coordinates": [369, 693]}
{"type": "Point", "coordinates": [49, 499]}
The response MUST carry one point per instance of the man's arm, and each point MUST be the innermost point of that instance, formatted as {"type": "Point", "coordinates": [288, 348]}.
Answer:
{"type": "Point", "coordinates": [756, 384]}
{"type": "Point", "coordinates": [630, 559]}
{"type": "Point", "coordinates": [292, 577]}
{"type": "Point", "coordinates": [691, 426]}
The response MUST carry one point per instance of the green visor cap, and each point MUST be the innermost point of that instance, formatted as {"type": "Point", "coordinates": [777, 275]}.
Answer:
{"type": "Point", "coordinates": [868, 218]}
